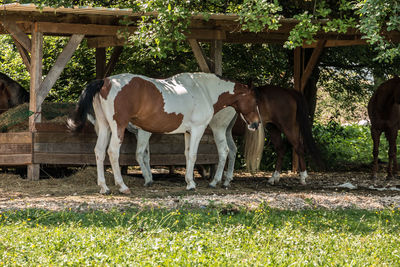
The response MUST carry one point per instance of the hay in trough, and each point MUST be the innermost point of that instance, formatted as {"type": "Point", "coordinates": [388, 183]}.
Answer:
{"type": "Point", "coordinates": [16, 119]}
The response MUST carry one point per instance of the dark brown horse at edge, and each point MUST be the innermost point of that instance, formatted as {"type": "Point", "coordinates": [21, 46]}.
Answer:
{"type": "Point", "coordinates": [384, 113]}
{"type": "Point", "coordinates": [11, 93]}
{"type": "Point", "coordinates": [282, 111]}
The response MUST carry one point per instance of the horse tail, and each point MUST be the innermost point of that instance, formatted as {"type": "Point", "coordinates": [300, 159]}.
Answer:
{"type": "Point", "coordinates": [303, 119]}
{"type": "Point", "coordinates": [85, 104]}
{"type": "Point", "coordinates": [253, 148]}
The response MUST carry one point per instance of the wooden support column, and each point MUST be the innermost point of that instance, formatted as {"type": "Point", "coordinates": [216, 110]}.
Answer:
{"type": "Point", "coordinates": [301, 76]}
{"type": "Point", "coordinates": [24, 55]}
{"type": "Point", "coordinates": [216, 55]}
{"type": "Point", "coordinates": [21, 40]}
{"type": "Point", "coordinates": [113, 61]}
{"type": "Point", "coordinates": [100, 62]}
{"type": "Point", "coordinates": [36, 79]}
{"type": "Point", "coordinates": [58, 67]}
{"type": "Point", "coordinates": [199, 55]}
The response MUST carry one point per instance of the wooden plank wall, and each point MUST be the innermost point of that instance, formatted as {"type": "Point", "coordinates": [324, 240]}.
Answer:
{"type": "Point", "coordinates": [54, 145]}
{"type": "Point", "coordinates": [15, 148]}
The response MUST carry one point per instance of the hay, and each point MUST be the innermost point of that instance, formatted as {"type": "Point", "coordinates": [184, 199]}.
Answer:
{"type": "Point", "coordinates": [17, 118]}
{"type": "Point", "coordinates": [87, 176]}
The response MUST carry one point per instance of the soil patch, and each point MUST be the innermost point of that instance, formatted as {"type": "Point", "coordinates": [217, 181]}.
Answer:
{"type": "Point", "coordinates": [79, 191]}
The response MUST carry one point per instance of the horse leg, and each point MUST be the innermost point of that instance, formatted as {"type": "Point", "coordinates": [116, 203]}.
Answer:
{"type": "Point", "coordinates": [276, 140]}
{"type": "Point", "coordinates": [231, 157]}
{"type": "Point", "coordinates": [100, 152]}
{"type": "Point", "coordinates": [191, 154]}
{"type": "Point", "coordinates": [223, 150]}
{"type": "Point", "coordinates": [392, 166]}
{"type": "Point", "coordinates": [142, 156]}
{"type": "Point", "coordinates": [375, 134]}
{"type": "Point", "coordinates": [113, 154]}
{"type": "Point", "coordinates": [294, 138]}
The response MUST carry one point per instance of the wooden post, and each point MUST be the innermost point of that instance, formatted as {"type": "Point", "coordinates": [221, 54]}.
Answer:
{"type": "Point", "coordinates": [199, 55]}
{"type": "Point", "coordinates": [100, 62]}
{"type": "Point", "coordinates": [301, 75]}
{"type": "Point", "coordinates": [58, 67]}
{"type": "Point", "coordinates": [297, 72]}
{"type": "Point", "coordinates": [216, 55]}
{"type": "Point", "coordinates": [36, 80]}
{"type": "Point", "coordinates": [113, 61]}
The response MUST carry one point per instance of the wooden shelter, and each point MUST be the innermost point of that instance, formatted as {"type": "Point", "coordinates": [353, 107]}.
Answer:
{"type": "Point", "coordinates": [101, 27]}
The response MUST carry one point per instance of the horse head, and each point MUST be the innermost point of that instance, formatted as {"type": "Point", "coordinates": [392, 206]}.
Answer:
{"type": "Point", "coordinates": [246, 106]}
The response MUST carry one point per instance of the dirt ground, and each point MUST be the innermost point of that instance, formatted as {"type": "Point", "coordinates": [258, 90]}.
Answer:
{"type": "Point", "coordinates": [78, 191]}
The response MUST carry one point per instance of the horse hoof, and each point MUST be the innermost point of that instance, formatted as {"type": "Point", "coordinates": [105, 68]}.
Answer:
{"type": "Point", "coordinates": [227, 185]}
{"type": "Point", "coordinates": [303, 182]}
{"type": "Point", "coordinates": [105, 192]}
{"type": "Point", "coordinates": [271, 181]}
{"type": "Point", "coordinates": [212, 185]}
{"type": "Point", "coordinates": [125, 191]}
{"type": "Point", "coordinates": [389, 178]}
{"type": "Point", "coordinates": [148, 184]}
{"type": "Point", "coordinates": [190, 188]}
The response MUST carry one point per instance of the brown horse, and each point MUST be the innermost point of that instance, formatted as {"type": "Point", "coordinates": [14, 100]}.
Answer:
{"type": "Point", "coordinates": [11, 93]}
{"type": "Point", "coordinates": [282, 111]}
{"type": "Point", "coordinates": [384, 113]}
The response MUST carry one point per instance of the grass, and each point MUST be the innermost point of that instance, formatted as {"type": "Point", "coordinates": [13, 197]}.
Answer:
{"type": "Point", "coordinates": [217, 236]}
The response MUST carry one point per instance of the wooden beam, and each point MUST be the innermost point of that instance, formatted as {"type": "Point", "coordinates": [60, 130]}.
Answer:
{"type": "Point", "coordinates": [59, 66]}
{"type": "Point", "coordinates": [24, 55]}
{"type": "Point", "coordinates": [113, 60]}
{"type": "Point", "coordinates": [297, 68]}
{"type": "Point", "coordinates": [217, 56]}
{"type": "Point", "coordinates": [106, 41]}
{"type": "Point", "coordinates": [18, 34]}
{"type": "Point", "coordinates": [199, 55]}
{"type": "Point", "coordinates": [311, 63]}
{"type": "Point", "coordinates": [36, 78]}
{"type": "Point", "coordinates": [199, 34]}
{"type": "Point", "coordinates": [85, 29]}
{"type": "Point", "coordinates": [100, 62]}
{"type": "Point", "coordinates": [205, 34]}
{"type": "Point", "coordinates": [335, 43]}
{"type": "Point", "coordinates": [33, 170]}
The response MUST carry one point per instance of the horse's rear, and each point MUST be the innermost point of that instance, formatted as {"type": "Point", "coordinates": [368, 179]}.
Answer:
{"type": "Point", "coordinates": [11, 93]}
{"type": "Point", "coordinates": [384, 114]}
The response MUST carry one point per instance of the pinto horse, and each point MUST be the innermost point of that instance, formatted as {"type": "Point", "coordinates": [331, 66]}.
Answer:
{"type": "Point", "coordinates": [11, 93]}
{"type": "Point", "coordinates": [184, 103]}
{"type": "Point", "coordinates": [384, 113]}
{"type": "Point", "coordinates": [282, 111]}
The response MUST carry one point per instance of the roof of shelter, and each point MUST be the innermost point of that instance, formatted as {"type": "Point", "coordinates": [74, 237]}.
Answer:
{"type": "Point", "coordinates": [104, 24]}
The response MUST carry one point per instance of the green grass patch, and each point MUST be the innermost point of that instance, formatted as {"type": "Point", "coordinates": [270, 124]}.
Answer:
{"type": "Point", "coordinates": [210, 236]}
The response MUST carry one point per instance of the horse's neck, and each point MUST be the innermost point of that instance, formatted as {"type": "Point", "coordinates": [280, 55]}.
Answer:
{"type": "Point", "coordinates": [224, 100]}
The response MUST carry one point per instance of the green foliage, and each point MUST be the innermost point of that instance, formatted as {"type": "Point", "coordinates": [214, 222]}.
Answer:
{"type": "Point", "coordinates": [214, 235]}
{"type": "Point", "coordinates": [256, 15]}
{"type": "Point", "coordinates": [158, 35]}
{"type": "Point", "coordinates": [376, 17]}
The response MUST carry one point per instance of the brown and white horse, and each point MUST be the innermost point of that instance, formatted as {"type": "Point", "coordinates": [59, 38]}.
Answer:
{"type": "Point", "coordinates": [384, 113]}
{"type": "Point", "coordinates": [11, 93]}
{"type": "Point", "coordinates": [184, 103]}
{"type": "Point", "coordinates": [282, 111]}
